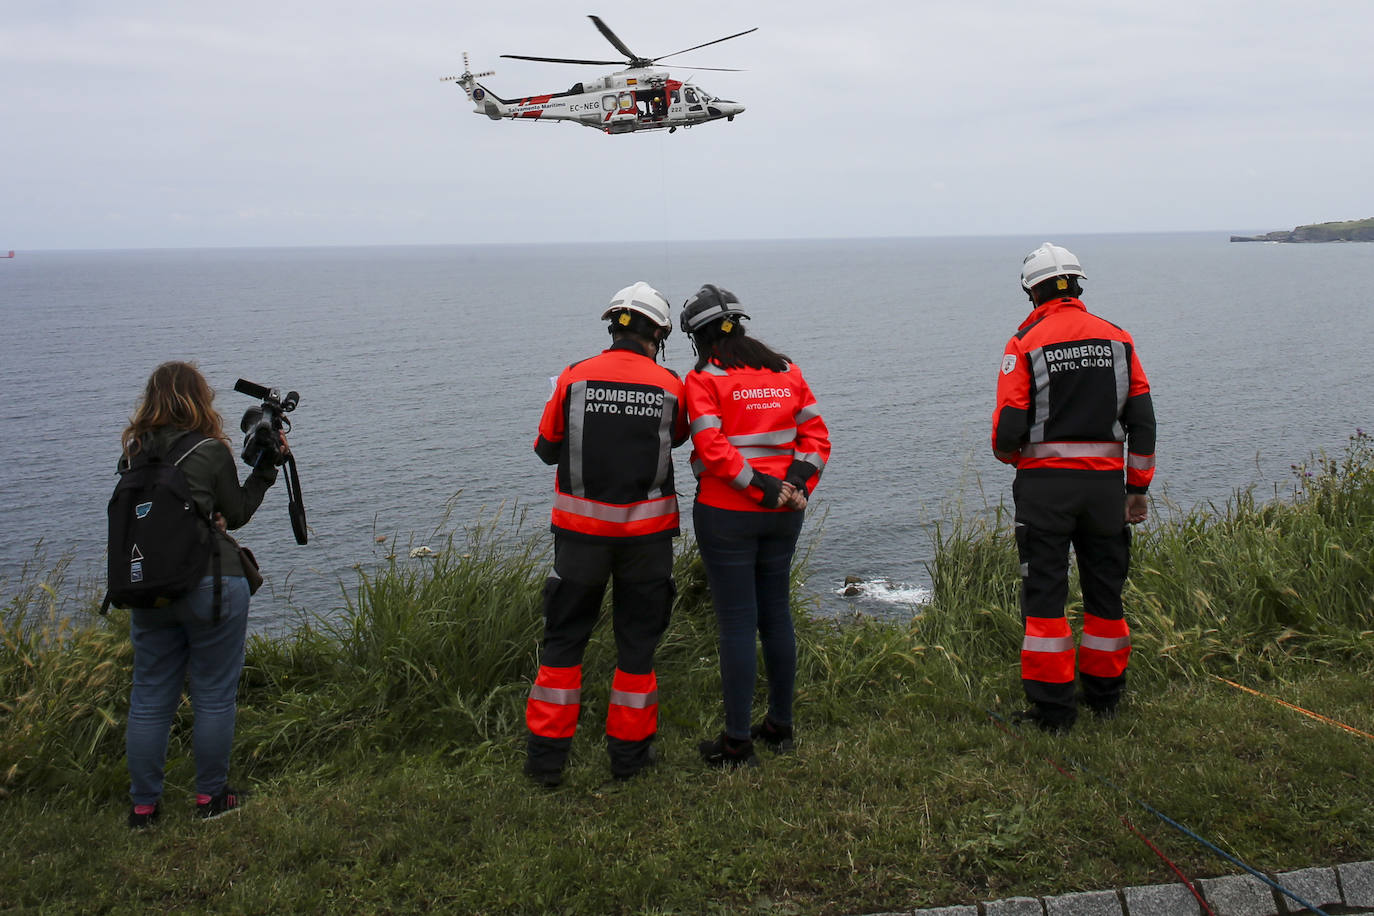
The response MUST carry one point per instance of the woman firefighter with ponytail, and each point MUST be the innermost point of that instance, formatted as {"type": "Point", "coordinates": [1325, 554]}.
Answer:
{"type": "Point", "coordinates": [758, 448]}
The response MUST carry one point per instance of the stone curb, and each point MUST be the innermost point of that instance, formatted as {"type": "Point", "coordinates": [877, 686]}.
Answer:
{"type": "Point", "coordinates": [1343, 889]}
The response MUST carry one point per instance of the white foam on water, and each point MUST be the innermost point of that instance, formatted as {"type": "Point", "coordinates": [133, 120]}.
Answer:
{"type": "Point", "coordinates": [888, 591]}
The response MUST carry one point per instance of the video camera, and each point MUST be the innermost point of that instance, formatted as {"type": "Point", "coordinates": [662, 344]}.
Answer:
{"type": "Point", "coordinates": [262, 428]}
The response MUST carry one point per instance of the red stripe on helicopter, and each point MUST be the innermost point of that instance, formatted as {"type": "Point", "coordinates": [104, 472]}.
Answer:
{"type": "Point", "coordinates": [536, 100]}
{"type": "Point", "coordinates": [530, 114]}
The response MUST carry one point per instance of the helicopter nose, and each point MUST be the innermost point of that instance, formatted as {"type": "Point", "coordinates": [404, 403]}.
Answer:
{"type": "Point", "coordinates": [721, 108]}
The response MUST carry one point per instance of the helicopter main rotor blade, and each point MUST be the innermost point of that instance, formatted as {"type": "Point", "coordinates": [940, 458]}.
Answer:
{"type": "Point", "coordinates": [720, 69]}
{"type": "Point", "coordinates": [716, 42]}
{"type": "Point", "coordinates": [562, 60]}
{"type": "Point", "coordinates": [610, 36]}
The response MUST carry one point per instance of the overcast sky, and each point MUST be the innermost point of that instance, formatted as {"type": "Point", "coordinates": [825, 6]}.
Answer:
{"type": "Point", "coordinates": [162, 123]}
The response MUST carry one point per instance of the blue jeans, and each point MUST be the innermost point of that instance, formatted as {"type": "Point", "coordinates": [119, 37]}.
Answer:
{"type": "Point", "coordinates": [748, 557]}
{"type": "Point", "coordinates": [171, 643]}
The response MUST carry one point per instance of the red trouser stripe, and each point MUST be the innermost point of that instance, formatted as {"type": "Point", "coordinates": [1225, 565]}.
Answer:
{"type": "Point", "coordinates": [1047, 650]}
{"type": "Point", "coordinates": [632, 714]}
{"type": "Point", "coordinates": [1106, 648]}
{"type": "Point", "coordinates": [555, 700]}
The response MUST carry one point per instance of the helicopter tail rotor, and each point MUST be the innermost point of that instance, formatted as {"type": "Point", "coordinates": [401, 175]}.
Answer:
{"type": "Point", "coordinates": [467, 79]}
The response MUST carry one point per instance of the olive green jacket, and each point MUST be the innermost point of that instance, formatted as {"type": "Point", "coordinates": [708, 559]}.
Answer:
{"type": "Point", "coordinates": [212, 475]}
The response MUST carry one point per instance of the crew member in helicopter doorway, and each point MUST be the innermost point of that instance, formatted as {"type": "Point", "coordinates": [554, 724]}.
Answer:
{"type": "Point", "coordinates": [1074, 417]}
{"type": "Point", "coordinates": [610, 426]}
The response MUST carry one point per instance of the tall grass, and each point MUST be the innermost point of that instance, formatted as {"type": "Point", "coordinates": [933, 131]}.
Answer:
{"type": "Point", "coordinates": [1247, 585]}
{"type": "Point", "coordinates": [436, 655]}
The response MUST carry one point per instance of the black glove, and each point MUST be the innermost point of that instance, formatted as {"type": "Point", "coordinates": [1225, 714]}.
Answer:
{"type": "Point", "coordinates": [771, 487]}
{"type": "Point", "coordinates": [799, 473]}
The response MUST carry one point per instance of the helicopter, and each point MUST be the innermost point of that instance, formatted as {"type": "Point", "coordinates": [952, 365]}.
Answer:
{"type": "Point", "coordinates": [640, 97]}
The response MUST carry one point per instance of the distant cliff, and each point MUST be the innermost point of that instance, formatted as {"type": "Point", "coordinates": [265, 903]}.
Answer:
{"type": "Point", "coordinates": [1359, 230]}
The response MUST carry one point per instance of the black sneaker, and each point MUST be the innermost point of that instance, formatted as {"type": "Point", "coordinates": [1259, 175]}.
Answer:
{"type": "Point", "coordinates": [777, 738]}
{"type": "Point", "coordinates": [139, 820]}
{"type": "Point", "coordinates": [727, 753]}
{"type": "Point", "coordinates": [217, 805]}
{"type": "Point", "coordinates": [1035, 716]}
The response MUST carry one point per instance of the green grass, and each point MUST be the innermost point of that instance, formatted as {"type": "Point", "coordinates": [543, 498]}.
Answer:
{"type": "Point", "coordinates": [384, 746]}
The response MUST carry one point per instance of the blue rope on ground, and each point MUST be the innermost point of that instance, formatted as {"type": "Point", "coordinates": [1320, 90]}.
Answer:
{"type": "Point", "coordinates": [1179, 827]}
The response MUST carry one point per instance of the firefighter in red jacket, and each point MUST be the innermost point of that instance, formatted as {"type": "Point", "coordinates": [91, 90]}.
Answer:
{"type": "Point", "coordinates": [758, 448]}
{"type": "Point", "coordinates": [1074, 417]}
{"type": "Point", "coordinates": [610, 426]}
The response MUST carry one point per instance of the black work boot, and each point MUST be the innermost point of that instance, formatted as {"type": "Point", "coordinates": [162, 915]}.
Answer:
{"type": "Point", "coordinates": [1055, 725]}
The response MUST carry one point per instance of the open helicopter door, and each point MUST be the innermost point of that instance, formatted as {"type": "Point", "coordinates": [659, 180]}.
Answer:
{"type": "Point", "coordinates": [625, 114]}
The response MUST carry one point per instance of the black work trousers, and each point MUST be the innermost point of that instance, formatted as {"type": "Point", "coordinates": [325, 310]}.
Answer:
{"type": "Point", "coordinates": [641, 573]}
{"type": "Point", "coordinates": [1088, 512]}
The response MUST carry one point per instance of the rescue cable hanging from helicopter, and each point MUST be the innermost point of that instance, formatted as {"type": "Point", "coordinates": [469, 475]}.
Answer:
{"type": "Point", "coordinates": [641, 97]}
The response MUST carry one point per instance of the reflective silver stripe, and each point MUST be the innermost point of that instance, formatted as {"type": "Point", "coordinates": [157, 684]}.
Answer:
{"type": "Point", "coordinates": [706, 421]}
{"type": "Point", "coordinates": [634, 700]}
{"type": "Point", "coordinates": [777, 437]}
{"type": "Point", "coordinates": [1140, 462]}
{"type": "Point", "coordinates": [812, 458]}
{"type": "Point", "coordinates": [1053, 270]}
{"type": "Point", "coordinates": [665, 447]}
{"type": "Point", "coordinates": [741, 480]}
{"type": "Point", "coordinates": [807, 412]}
{"type": "Point", "coordinates": [559, 696]}
{"type": "Point", "coordinates": [713, 369]}
{"type": "Point", "coordinates": [1122, 367]}
{"type": "Point", "coordinates": [1072, 450]}
{"type": "Point", "coordinates": [604, 512]}
{"type": "Point", "coordinates": [1104, 644]}
{"type": "Point", "coordinates": [1047, 644]}
{"type": "Point", "coordinates": [577, 410]}
{"type": "Point", "coordinates": [1040, 378]}
{"type": "Point", "coordinates": [764, 452]}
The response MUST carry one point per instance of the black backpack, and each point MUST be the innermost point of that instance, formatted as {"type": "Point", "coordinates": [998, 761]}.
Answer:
{"type": "Point", "coordinates": [159, 541]}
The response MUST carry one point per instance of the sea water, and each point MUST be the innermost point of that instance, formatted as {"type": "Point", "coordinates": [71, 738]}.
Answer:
{"type": "Point", "coordinates": [422, 372]}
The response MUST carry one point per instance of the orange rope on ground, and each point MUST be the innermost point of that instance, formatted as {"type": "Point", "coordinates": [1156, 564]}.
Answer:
{"type": "Point", "coordinates": [1306, 712]}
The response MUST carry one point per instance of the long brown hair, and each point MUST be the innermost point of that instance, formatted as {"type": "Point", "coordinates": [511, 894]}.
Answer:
{"type": "Point", "coordinates": [176, 395]}
{"type": "Point", "coordinates": [734, 349]}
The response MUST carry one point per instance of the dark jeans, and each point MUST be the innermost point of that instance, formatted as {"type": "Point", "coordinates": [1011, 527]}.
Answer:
{"type": "Point", "coordinates": [748, 557]}
{"type": "Point", "coordinates": [171, 646]}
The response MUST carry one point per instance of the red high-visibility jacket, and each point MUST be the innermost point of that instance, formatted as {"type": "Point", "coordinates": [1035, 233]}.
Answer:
{"type": "Point", "coordinates": [746, 420]}
{"type": "Point", "coordinates": [610, 426]}
{"type": "Point", "coordinates": [1071, 393]}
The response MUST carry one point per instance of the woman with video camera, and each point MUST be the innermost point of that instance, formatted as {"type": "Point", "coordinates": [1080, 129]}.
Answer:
{"type": "Point", "coordinates": [176, 421]}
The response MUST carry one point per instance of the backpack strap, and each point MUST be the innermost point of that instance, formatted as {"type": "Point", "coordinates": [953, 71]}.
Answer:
{"type": "Point", "coordinates": [214, 534]}
{"type": "Point", "coordinates": [197, 444]}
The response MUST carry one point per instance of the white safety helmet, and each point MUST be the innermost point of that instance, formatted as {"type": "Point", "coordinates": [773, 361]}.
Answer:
{"type": "Point", "coordinates": [644, 299]}
{"type": "Point", "coordinates": [1047, 262]}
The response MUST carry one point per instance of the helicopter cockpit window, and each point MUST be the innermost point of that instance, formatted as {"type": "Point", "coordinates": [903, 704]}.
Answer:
{"type": "Point", "coordinates": [691, 95]}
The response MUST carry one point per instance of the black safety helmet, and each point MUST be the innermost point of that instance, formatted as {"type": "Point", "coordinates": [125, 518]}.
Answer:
{"type": "Point", "coordinates": [710, 303]}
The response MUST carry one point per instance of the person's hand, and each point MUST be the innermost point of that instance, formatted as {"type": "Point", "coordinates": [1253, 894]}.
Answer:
{"type": "Point", "coordinates": [793, 497]}
{"type": "Point", "coordinates": [220, 523]}
{"type": "Point", "coordinates": [285, 446]}
{"type": "Point", "coordinates": [1137, 508]}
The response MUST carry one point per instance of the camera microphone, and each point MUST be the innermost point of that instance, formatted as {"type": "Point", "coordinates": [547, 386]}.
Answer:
{"type": "Point", "coordinates": [253, 389]}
